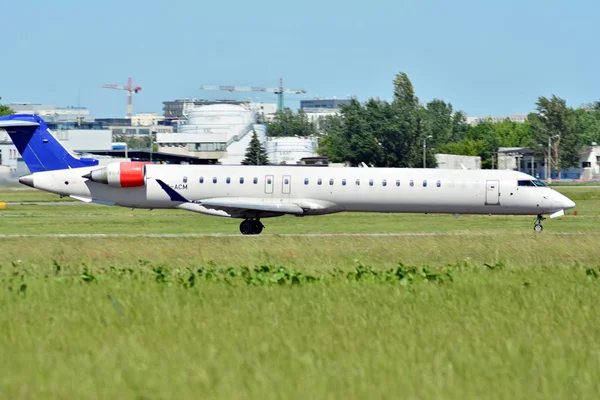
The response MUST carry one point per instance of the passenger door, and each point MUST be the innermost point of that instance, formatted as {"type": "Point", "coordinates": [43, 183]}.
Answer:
{"type": "Point", "coordinates": [492, 193]}
{"type": "Point", "coordinates": [286, 184]}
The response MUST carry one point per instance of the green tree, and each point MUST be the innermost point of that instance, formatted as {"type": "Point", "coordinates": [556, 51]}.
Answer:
{"type": "Point", "coordinates": [587, 125]}
{"type": "Point", "coordinates": [555, 122]}
{"type": "Point", "coordinates": [467, 147]}
{"type": "Point", "coordinates": [439, 116]}
{"type": "Point", "coordinates": [404, 92]}
{"type": "Point", "coordinates": [377, 132]}
{"type": "Point", "coordinates": [5, 110]}
{"type": "Point", "coordinates": [255, 153]}
{"type": "Point", "coordinates": [288, 123]}
{"type": "Point", "coordinates": [407, 126]}
{"type": "Point", "coordinates": [489, 136]}
{"type": "Point", "coordinates": [460, 128]}
{"type": "Point", "coordinates": [351, 136]}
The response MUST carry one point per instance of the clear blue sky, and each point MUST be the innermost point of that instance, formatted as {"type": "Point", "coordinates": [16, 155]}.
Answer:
{"type": "Point", "coordinates": [485, 57]}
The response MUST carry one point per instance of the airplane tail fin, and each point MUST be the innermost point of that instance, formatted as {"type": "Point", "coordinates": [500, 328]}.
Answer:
{"type": "Point", "coordinates": [40, 150]}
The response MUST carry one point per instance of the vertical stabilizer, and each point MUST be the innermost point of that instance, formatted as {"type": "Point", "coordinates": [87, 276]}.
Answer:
{"type": "Point", "coordinates": [40, 150]}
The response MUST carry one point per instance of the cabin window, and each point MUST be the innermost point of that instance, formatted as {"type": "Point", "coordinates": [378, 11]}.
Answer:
{"type": "Point", "coordinates": [531, 183]}
{"type": "Point", "coordinates": [343, 182]}
{"type": "Point", "coordinates": [425, 183]}
{"type": "Point", "coordinates": [215, 179]}
{"type": "Point", "coordinates": [201, 180]}
{"type": "Point", "coordinates": [241, 180]}
{"type": "Point", "coordinates": [525, 183]}
{"type": "Point", "coordinates": [228, 180]}
{"type": "Point", "coordinates": [358, 182]}
{"type": "Point", "coordinates": [185, 179]}
{"type": "Point", "coordinates": [398, 182]}
{"type": "Point", "coordinates": [269, 181]}
{"type": "Point", "coordinates": [370, 182]}
{"type": "Point", "coordinates": [255, 181]}
{"type": "Point", "coordinates": [384, 182]}
{"type": "Point", "coordinates": [438, 184]}
{"type": "Point", "coordinates": [411, 183]}
{"type": "Point", "coordinates": [319, 181]}
{"type": "Point", "coordinates": [306, 181]}
{"type": "Point", "coordinates": [286, 181]}
{"type": "Point", "coordinates": [331, 181]}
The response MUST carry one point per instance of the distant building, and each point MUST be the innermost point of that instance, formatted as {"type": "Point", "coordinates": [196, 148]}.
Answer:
{"type": "Point", "coordinates": [317, 109]}
{"type": "Point", "coordinates": [51, 113]}
{"type": "Point", "coordinates": [452, 161]}
{"type": "Point", "coordinates": [534, 162]}
{"type": "Point", "coordinates": [123, 126]}
{"type": "Point", "coordinates": [323, 104]}
{"type": "Point", "coordinates": [177, 109]}
{"type": "Point", "coordinates": [217, 133]}
{"type": "Point", "coordinates": [146, 119]}
{"type": "Point", "coordinates": [519, 118]}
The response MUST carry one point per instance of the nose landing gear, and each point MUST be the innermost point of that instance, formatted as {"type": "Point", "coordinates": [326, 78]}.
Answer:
{"type": "Point", "coordinates": [251, 227]}
{"type": "Point", "coordinates": [537, 226]}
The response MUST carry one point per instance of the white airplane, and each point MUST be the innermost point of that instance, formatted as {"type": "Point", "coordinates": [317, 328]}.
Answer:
{"type": "Point", "coordinates": [255, 192]}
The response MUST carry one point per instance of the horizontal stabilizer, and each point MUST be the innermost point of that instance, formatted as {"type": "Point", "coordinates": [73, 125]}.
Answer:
{"type": "Point", "coordinates": [16, 123]}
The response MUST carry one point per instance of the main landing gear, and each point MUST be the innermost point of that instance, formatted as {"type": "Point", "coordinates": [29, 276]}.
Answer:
{"type": "Point", "coordinates": [251, 227]}
{"type": "Point", "coordinates": [537, 226]}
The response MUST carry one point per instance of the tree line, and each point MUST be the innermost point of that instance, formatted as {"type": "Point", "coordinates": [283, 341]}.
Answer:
{"type": "Point", "coordinates": [391, 133]}
{"type": "Point", "coordinates": [5, 110]}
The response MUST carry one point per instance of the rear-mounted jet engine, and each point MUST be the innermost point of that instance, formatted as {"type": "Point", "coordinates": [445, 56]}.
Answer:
{"type": "Point", "coordinates": [124, 174]}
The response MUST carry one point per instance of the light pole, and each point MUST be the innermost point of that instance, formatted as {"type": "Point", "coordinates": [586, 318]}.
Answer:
{"type": "Point", "coordinates": [152, 146]}
{"type": "Point", "coordinates": [425, 150]}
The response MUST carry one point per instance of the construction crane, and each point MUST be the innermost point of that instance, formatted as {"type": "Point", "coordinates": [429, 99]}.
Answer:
{"type": "Point", "coordinates": [130, 91]}
{"type": "Point", "coordinates": [279, 91]}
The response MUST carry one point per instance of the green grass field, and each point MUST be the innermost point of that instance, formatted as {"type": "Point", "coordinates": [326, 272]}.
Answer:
{"type": "Point", "coordinates": [488, 309]}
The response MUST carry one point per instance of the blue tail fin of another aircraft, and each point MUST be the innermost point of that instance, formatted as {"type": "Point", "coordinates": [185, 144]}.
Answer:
{"type": "Point", "coordinates": [40, 150]}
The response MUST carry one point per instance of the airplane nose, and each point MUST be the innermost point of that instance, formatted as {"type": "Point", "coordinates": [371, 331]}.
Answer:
{"type": "Point", "coordinates": [27, 180]}
{"type": "Point", "coordinates": [569, 204]}
{"type": "Point", "coordinates": [562, 201]}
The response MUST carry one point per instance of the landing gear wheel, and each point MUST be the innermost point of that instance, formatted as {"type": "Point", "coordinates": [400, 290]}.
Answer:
{"type": "Point", "coordinates": [537, 226]}
{"type": "Point", "coordinates": [246, 227]}
{"type": "Point", "coordinates": [257, 227]}
{"type": "Point", "coordinates": [251, 227]}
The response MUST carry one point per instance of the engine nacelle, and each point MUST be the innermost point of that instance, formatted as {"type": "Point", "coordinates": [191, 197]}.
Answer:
{"type": "Point", "coordinates": [123, 174]}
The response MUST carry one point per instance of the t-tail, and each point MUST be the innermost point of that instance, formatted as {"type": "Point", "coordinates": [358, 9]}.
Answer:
{"type": "Point", "coordinates": [40, 150]}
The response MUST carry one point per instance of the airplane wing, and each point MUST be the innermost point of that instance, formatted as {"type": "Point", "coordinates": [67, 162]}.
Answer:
{"type": "Point", "coordinates": [231, 206]}
{"type": "Point", "coordinates": [240, 203]}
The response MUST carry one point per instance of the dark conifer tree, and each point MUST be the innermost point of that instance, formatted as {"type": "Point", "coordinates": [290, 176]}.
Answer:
{"type": "Point", "coordinates": [255, 153]}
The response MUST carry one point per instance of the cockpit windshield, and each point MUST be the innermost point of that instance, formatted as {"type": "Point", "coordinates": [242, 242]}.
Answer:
{"type": "Point", "coordinates": [535, 183]}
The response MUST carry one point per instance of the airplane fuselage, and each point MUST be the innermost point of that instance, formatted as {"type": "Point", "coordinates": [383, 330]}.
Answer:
{"type": "Point", "coordinates": [322, 190]}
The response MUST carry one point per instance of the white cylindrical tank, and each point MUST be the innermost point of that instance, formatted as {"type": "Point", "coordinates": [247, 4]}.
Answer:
{"type": "Point", "coordinates": [289, 150]}
{"type": "Point", "coordinates": [217, 115]}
